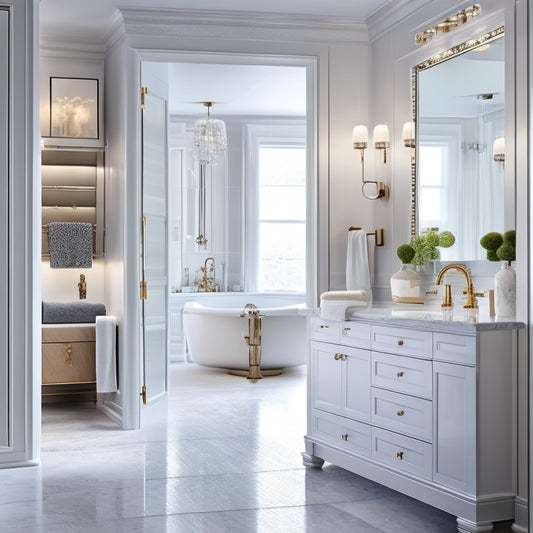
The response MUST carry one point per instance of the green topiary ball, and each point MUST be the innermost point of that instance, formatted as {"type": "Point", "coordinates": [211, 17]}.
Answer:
{"type": "Point", "coordinates": [405, 252]}
{"type": "Point", "coordinates": [492, 256]}
{"type": "Point", "coordinates": [506, 252]}
{"type": "Point", "coordinates": [491, 241]}
{"type": "Point", "coordinates": [432, 239]}
{"type": "Point", "coordinates": [510, 237]}
{"type": "Point", "coordinates": [446, 239]}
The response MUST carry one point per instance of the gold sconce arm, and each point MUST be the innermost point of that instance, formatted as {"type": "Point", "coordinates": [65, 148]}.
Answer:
{"type": "Point", "coordinates": [381, 142]}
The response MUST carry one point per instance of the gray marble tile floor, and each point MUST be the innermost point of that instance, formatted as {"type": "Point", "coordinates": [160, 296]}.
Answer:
{"type": "Point", "coordinates": [224, 457]}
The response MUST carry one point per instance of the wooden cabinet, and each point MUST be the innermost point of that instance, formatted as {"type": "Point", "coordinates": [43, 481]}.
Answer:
{"type": "Point", "coordinates": [428, 413]}
{"type": "Point", "coordinates": [68, 357]}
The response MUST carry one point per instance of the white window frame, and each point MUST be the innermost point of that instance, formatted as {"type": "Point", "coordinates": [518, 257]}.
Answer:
{"type": "Point", "coordinates": [287, 132]}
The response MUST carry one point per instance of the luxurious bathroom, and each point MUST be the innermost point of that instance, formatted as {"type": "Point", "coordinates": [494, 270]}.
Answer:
{"type": "Point", "coordinates": [297, 300]}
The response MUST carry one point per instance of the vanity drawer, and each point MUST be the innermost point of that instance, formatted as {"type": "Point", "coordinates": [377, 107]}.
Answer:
{"type": "Point", "coordinates": [402, 413]}
{"type": "Point", "coordinates": [356, 334]}
{"type": "Point", "coordinates": [69, 362]}
{"type": "Point", "coordinates": [402, 374]}
{"type": "Point", "coordinates": [453, 348]}
{"type": "Point", "coordinates": [402, 453]}
{"type": "Point", "coordinates": [402, 341]}
{"type": "Point", "coordinates": [342, 432]}
{"type": "Point", "coordinates": [324, 330]}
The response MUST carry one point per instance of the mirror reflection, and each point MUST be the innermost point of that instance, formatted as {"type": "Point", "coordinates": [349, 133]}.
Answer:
{"type": "Point", "coordinates": [460, 113]}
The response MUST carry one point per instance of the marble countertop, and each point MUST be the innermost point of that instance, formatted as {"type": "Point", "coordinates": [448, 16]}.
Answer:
{"type": "Point", "coordinates": [431, 317]}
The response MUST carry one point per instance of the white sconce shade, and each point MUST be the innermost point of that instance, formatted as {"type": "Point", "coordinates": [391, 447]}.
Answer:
{"type": "Point", "coordinates": [408, 135]}
{"type": "Point", "coordinates": [360, 137]}
{"type": "Point", "coordinates": [381, 136]}
{"type": "Point", "coordinates": [498, 149]}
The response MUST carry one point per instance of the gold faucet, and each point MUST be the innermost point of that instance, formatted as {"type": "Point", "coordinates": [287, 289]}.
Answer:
{"type": "Point", "coordinates": [471, 302]}
{"type": "Point", "coordinates": [208, 278]}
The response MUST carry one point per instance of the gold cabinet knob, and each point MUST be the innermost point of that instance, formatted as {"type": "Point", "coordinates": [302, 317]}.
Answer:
{"type": "Point", "coordinates": [346, 330]}
{"type": "Point", "coordinates": [345, 437]}
{"type": "Point", "coordinates": [400, 342]}
{"type": "Point", "coordinates": [400, 374]}
{"type": "Point", "coordinates": [337, 357]}
{"type": "Point", "coordinates": [400, 413]}
{"type": "Point", "coordinates": [399, 456]}
{"type": "Point", "coordinates": [68, 350]}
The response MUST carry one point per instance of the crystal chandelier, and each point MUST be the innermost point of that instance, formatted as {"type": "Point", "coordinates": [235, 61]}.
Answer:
{"type": "Point", "coordinates": [209, 139]}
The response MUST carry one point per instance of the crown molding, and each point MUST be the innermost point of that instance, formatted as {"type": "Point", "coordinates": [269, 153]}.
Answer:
{"type": "Point", "coordinates": [250, 25]}
{"type": "Point", "coordinates": [389, 16]}
{"type": "Point", "coordinates": [67, 49]}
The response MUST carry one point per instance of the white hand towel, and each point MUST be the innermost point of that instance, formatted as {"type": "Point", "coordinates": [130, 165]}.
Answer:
{"type": "Point", "coordinates": [106, 361]}
{"type": "Point", "coordinates": [357, 264]}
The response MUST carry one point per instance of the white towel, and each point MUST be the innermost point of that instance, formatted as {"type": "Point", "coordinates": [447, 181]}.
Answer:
{"type": "Point", "coordinates": [106, 361]}
{"type": "Point", "coordinates": [357, 263]}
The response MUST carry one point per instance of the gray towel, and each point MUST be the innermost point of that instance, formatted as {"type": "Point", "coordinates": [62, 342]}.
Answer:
{"type": "Point", "coordinates": [71, 312]}
{"type": "Point", "coordinates": [71, 244]}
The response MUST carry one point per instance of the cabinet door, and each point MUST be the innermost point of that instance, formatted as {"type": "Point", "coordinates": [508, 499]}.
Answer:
{"type": "Point", "coordinates": [454, 429]}
{"type": "Point", "coordinates": [356, 398]}
{"type": "Point", "coordinates": [327, 377]}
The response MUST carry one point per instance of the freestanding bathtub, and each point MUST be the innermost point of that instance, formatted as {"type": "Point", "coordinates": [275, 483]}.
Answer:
{"type": "Point", "coordinates": [215, 337]}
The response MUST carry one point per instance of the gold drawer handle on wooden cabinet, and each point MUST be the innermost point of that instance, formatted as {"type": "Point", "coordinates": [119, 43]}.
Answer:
{"type": "Point", "coordinates": [400, 342]}
{"type": "Point", "coordinates": [400, 374]}
{"type": "Point", "coordinates": [345, 437]}
{"type": "Point", "coordinates": [399, 456]}
{"type": "Point", "coordinates": [401, 412]}
{"type": "Point", "coordinates": [68, 349]}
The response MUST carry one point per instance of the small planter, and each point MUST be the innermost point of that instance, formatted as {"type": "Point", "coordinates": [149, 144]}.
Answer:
{"type": "Point", "coordinates": [405, 286]}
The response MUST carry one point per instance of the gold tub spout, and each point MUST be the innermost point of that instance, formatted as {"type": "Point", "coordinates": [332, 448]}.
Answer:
{"type": "Point", "coordinates": [471, 302]}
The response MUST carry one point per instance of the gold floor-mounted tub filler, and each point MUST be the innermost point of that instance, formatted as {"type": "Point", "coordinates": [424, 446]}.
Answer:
{"type": "Point", "coordinates": [253, 339]}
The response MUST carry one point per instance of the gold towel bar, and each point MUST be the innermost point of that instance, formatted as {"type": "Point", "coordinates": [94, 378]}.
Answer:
{"type": "Point", "coordinates": [378, 234]}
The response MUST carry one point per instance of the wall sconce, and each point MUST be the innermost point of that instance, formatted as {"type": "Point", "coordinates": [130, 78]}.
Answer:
{"type": "Point", "coordinates": [381, 142]}
{"type": "Point", "coordinates": [409, 135]}
{"type": "Point", "coordinates": [498, 149]}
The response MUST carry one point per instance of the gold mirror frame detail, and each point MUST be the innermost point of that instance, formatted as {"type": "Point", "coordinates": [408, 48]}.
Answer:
{"type": "Point", "coordinates": [430, 62]}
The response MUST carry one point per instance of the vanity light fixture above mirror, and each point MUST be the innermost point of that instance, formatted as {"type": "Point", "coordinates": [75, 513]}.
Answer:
{"type": "Point", "coordinates": [448, 23]}
{"type": "Point", "coordinates": [381, 141]}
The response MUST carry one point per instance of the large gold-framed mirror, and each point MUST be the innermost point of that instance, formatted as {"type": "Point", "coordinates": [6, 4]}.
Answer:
{"type": "Point", "coordinates": [458, 99]}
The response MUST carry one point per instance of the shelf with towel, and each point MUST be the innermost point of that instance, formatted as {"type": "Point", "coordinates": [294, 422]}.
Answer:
{"type": "Point", "coordinates": [72, 191]}
{"type": "Point", "coordinates": [378, 234]}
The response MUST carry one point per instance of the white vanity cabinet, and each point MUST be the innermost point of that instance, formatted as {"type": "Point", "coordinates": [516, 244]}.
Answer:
{"type": "Point", "coordinates": [425, 409]}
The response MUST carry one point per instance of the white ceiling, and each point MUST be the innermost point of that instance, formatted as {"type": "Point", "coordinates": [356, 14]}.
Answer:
{"type": "Point", "coordinates": [262, 90]}
{"type": "Point", "coordinates": [236, 89]}
{"type": "Point", "coordinates": [90, 20]}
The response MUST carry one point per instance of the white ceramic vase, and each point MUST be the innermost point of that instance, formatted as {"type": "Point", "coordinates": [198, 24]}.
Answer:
{"type": "Point", "coordinates": [505, 291]}
{"type": "Point", "coordinates": [405, 285]}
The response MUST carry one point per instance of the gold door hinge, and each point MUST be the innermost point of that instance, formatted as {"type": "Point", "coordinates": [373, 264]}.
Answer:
{"type": "Point", "coordinates": [143, 394]}
{"type": "Point", "coordinates": [144, 290]}
{"type": "Point", "coordinates": [144, 92]}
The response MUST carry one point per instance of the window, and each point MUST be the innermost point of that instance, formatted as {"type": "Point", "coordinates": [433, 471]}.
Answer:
{"type": "Point", "coordinates": [281, 223]}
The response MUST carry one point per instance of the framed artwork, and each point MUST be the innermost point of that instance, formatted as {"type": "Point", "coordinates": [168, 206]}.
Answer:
{"type": "Point", "coordinates": [74, 108]}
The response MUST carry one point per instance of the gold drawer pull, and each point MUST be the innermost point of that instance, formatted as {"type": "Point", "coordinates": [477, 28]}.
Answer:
{"type": "Point", "coordinates": [68, 349]}
{"type": "Point", "coordinates": [340, 357]}
{"type": "Point", "coordinates": [345, 437]}
{"type": "Point", "coordinates": [346, 330]}
{"type": "Point", "coordinates": [399, 456]}
{"type": "Point", "coordinates": [400, 374]}
{"type": "Point", "coordinates": [400, 413]}
{"type": "Point", "coordinates": [322, 326]}
{"type": "Point", "coordinates": [400, 342]}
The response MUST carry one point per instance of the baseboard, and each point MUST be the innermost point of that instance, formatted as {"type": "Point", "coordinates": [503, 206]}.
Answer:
{"type": "Point", "coordinates": [521, 517]}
